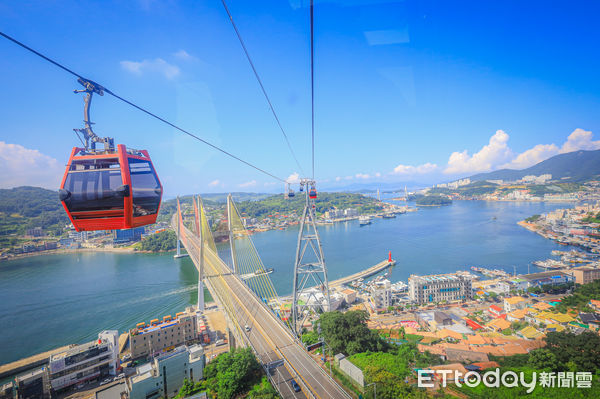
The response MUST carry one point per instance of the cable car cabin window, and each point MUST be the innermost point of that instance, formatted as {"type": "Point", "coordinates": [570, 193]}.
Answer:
{"type": "Point", "coordinates": [92, 185]}
{"type": "Point", "coordinates": [145, 186]}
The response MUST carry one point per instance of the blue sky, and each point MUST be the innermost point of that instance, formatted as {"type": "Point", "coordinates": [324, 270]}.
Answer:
{"type": "Point", "coordinates": [422, 91]}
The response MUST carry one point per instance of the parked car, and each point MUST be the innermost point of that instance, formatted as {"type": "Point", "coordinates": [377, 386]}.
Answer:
{"type": "Point", "coordinates": [247, 327]}
{"type": "Point", "coordinates": [106, 381]}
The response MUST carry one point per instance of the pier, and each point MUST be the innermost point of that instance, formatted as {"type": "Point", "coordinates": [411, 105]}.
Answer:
{"type": "Point", "coordinates": [362, 274]}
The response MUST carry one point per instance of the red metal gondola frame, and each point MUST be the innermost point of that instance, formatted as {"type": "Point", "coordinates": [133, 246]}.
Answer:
{"type": "Point", "coordinates": [112, 220]}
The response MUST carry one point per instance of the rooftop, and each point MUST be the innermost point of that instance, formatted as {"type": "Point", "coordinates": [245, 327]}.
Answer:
{"type": "Point", "coordinates": [76, 350]}
{"type": "Point", "coordinates": [514, 300]}
{"type": "Point", "coordinates": [543, 275]}
{"type": "Point", "coordinates": [437, 278]}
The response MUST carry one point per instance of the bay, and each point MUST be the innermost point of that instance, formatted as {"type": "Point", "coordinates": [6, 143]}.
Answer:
{"type": "Point", "coordinates": [54, 300]}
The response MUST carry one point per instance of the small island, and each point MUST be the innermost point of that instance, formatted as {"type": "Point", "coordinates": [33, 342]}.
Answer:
{"type": "Point", "coordinates": [433, 200]}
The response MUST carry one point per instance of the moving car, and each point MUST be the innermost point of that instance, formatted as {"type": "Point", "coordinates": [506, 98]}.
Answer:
{"type": "Point", "coordinates": [295, 386]}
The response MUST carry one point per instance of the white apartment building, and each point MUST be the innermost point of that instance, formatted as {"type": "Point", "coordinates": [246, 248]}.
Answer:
{"type": "Point", "coordinates": [84, 362]}
{"type": "Point", "coordinates": [381, 294]}
{"type": "Point", "coordinates": [439, 287]}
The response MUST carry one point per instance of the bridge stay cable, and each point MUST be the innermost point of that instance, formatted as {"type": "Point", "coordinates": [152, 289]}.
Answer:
{"type": "Point", "coordinates": [147, 112]}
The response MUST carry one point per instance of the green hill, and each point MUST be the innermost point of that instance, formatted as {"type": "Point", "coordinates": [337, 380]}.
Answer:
{"type": "Point", "coordinates": [577, 166]}
{"type": "Point", "coordinates": [22, 208]}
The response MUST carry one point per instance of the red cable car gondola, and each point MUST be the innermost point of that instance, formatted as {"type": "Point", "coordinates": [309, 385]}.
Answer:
{"type": "Point", "coordinates": [312, 194]}
{"type": "Point", "coordinates": [111, 188]}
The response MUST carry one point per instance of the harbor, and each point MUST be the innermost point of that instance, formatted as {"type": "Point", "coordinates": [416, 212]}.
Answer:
{"type": "Point", "coordinates": [363, 274]}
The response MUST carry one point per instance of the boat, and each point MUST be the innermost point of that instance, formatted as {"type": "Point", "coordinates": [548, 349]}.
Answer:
{"type": "Point", "coordinates": [389, 216]}
{"type": "Point", "coordinates": [263, 271]}
{"type": "Point", "coordinates": [364, 220]}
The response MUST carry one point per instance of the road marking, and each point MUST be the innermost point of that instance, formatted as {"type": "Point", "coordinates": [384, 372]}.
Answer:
{"type": "Point", "coordinates": [262, 332]}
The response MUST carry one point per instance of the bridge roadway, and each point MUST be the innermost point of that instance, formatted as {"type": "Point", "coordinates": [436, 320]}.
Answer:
{"type": "Point", "coordinates": [267, 334]}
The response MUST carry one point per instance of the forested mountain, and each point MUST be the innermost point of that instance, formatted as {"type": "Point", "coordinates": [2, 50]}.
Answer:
{"type": "Point", "coordinates": [574, 166]}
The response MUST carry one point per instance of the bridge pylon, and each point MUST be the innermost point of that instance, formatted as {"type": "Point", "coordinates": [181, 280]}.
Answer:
{"type": "Point", "coordinates": [311, 287]}
{"type": "Point", "coordinates": [179, 225]}
{"type": "Point", "coordinates": [230, 211]}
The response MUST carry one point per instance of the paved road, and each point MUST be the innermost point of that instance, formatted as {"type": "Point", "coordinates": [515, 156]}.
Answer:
{"type": "Point", "coordinates": [269, 337]}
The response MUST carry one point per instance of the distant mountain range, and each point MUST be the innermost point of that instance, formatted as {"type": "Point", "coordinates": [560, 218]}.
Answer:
{"type": "Point", "coordinates": [371, 187]}
{"type": "Point", "coordinates": [574, 166]}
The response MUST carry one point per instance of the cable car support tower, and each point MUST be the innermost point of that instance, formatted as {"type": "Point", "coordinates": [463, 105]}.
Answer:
{"type": "Point", "coordinates": [311, 287]}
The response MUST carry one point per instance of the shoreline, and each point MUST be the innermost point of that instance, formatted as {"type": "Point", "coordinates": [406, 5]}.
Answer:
{"type": "Point", "coordinates": [61, 251]}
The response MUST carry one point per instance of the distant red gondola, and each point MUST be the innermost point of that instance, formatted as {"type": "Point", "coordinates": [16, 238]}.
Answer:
{"type": "Point", "coordinates": [111, 188]}
{"type": "Point", "coordinates": [312, 193]}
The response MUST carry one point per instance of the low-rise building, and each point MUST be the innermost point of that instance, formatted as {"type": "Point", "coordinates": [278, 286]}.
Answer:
{"type": "Point", "coordinates": [495, 311]}
{"type": "Point", "coordinates": [513, 303]}
{"type": "Point", "coordinates": [349, 295]}
{"type": "Point", "coordinates": [381, 294]}
{"type": "Point", "coordinates": [544, 278]}
{"type": "Point", "coordinates": [155, 337]}
{"type": "Point", "coordinates": [33, 384]}
{"type": "Point", "coordinates": [7, 390]}
{"type": "Point", "coordinates": [439, 287]}
{"type": "Point", "coordinates": [585, 274]}
{"type": "Point", "coordinates": [94, 360]}
{"type": "Point", "coordinates": [164, 375]}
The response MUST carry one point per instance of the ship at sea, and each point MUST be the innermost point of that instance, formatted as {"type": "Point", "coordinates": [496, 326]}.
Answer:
{"type": "Point", "coordinates": [364, 220]}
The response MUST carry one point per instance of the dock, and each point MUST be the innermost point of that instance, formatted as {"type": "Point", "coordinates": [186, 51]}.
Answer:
{"type": "Point", "coordinates": [362, 274]}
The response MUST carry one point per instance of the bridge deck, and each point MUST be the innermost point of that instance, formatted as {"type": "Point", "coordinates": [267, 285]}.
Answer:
{"type": "Point", "coordinates": [267, 335]}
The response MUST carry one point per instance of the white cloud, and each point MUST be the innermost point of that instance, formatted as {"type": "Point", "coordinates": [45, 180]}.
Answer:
{"type": "Point", "coordinates": [415, 170]}
{"type": "Point", "coordinates": [250, 183]}
{"type": "Point", "coordinates": [580, 140]}
{"type": "Point", "coordinates": [294, 178]}
{"type": "Point", "coordinates": [22, 166]}
{"type": "Point", "coordinates": [183, 55]}
{"type": "Point", "coordinates": [157, 65]}
{"type": "Point", "coordinates": [532, 156]}
{"type": "Point", "coordinates": [338, 178]}
{"type": "Point", "coordinates": [495, 153]}
{"type": "Point", "coordinates": [377, 174]}
{"type": "Point", "coordinates": [362, 176]}
{"type": "Point", "coordinates": [214, 183]}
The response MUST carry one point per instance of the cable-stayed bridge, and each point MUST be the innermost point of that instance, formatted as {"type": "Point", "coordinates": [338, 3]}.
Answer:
{"type": "Point", "coordinates": [250, 305]}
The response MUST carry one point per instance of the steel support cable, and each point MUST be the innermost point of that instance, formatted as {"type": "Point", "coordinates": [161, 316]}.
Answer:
{"type": "Point", "coordinates": [143, 109]}
{"type": "Point", "coordinates": [312, 85]}
{"type": "Point", "coordinates": [254, 253]}
{"type": "Point", "coordinates": [262, 87]}
{"type": "Point", "coordinates": [265, 275]}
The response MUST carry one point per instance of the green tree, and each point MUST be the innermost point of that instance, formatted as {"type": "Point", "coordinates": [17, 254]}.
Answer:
{"type": "Point", "coordinates": [160, 242]}
{"type": "Point", "coordinates": [540, 359]}
{"type": "Point", "coordinates": [190, 388]}
{"type": "Point", "coordinates": [583, 349]}
{"type": "Point", "coordinates": [232, 373]}
{"type": "Point", "coordinates": [263, 390]}
{"type": "Point", "coordinates": [348, 333]}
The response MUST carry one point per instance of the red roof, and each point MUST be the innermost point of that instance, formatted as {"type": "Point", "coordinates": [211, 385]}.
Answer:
{"type": "Point", "coordinates": [496, 308]}
{"type": "Point", "coordinates": [473, 325]}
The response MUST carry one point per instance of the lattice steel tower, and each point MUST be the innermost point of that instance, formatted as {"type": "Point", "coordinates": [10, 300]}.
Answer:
{"type": "Point", "coordinates": [311, 288]}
